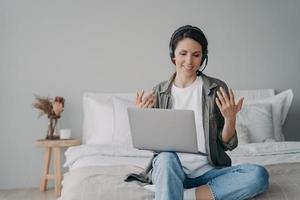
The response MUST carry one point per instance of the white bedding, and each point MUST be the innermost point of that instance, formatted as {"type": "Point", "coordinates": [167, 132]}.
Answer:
{"type": "Point", "coordinates": [105, 155]}
{"type": "Point", "coordinates": [116, 155]}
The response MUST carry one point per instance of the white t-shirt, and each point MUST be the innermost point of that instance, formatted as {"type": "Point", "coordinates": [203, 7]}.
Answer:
{"type": "Point", "coordinates": [190, 98]}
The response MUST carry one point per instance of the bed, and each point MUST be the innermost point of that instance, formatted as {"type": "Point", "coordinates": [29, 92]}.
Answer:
{"type": "Point", "coordinates": [97, 168]}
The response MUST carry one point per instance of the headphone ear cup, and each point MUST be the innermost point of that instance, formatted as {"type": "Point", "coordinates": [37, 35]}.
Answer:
{"type": "Point", "coordinates": [203, 59]}
{"type": "Point", "coordinates": [171, 52]}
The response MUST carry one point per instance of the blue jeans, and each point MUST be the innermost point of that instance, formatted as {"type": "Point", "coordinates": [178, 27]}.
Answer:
{"type": "Point", "coordinates": [237, 182]}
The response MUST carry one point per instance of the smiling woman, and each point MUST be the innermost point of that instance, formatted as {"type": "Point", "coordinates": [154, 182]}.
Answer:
{"type": "Point", "coordinates": [215, 112]}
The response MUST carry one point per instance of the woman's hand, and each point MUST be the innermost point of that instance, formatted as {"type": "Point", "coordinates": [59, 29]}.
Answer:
{"type": "Point", "coordinates": [147, 102]}
{"type": "Point", "coordinates": [227, 104]}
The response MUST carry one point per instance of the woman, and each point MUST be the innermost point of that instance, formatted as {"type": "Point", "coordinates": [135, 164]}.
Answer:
{"type": "Point", "coordinates": [215, 115]}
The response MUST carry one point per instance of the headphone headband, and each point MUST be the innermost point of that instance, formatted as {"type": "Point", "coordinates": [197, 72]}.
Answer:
{"type": "Point", "coordinates": [187, 27]}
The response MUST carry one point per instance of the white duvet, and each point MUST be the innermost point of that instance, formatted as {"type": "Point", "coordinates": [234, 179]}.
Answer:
{"type": "Point", "coordinates": [111, 154]}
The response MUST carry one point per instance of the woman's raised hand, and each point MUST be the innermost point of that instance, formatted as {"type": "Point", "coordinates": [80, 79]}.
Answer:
{"type": "Point", "coordinates": [227, 105]}
{"type": "Point", "coordinates": [147, 102]}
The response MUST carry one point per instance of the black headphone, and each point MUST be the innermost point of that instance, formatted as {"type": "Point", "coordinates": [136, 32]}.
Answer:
{"type": "Point", "coordinates": [182, 30]}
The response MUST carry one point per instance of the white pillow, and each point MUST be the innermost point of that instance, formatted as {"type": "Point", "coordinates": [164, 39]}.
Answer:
{"type": "Point", "coordinates": [254, 94]}
{"type": "Point", "coordinates": [122, 133]}
{"type": "Point", "coordinates": [258, 120]}
{"type": "Point", "coordinates": [242, 134]}
{"type": "Point", "coordinates": [98, 116]}
{"type": "Point", "coordinates": [280, 106]}
{"type": "Point", "coordinates": [97, 121]}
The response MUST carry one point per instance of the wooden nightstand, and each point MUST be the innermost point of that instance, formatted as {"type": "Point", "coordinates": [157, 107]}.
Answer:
{"type": "Point", "coordinates": [56, 146]}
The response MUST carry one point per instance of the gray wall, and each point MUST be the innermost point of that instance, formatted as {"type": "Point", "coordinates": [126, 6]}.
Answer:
{"type": "Point", "coordinates": [69, 47]}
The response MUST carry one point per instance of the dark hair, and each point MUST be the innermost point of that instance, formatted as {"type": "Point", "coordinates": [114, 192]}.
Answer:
{"type": "Point", "coordinates": [192, 32]}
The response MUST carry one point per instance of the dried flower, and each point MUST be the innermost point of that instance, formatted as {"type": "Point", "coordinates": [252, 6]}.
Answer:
{"type": "Point", "coordinates": [58, 105]}
{"type": "Point", "coordinates": [48, 107]}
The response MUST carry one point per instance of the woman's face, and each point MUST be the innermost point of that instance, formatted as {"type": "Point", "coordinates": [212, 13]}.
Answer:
{"type": "Point", "coordinates": [188, 55]}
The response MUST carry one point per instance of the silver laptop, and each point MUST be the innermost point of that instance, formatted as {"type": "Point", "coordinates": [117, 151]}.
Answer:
{"type": "Point", "coordinates": [163, 130]}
